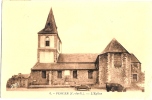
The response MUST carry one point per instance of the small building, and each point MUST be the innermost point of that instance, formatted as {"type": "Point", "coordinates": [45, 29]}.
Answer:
{"type": "Point", "coordinates": [21, 79]}
{"type": "Point", "coordinates": [114, 65]}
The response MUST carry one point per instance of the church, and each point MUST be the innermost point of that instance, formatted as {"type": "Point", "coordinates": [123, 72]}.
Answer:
{"type": "Point", "coordinates": [53, 68]}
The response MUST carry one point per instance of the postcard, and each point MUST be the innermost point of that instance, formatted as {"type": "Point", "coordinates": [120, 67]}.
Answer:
{"type": "Point", "coordinates": [73, 49]}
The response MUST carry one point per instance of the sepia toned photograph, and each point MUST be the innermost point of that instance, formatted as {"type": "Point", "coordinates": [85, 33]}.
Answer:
{"type": "Point", "coordinates": [88, 49]}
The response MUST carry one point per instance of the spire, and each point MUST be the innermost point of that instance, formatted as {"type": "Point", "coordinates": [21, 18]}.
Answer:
{"type": "Point", "coordinates": [50, 26]}
{"type": "Point", "coordinates": [114, 46]}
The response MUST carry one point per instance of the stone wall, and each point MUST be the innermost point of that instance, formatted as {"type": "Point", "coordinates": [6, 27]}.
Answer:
{"type": "Point", "coordinates": [119, 74]}
{"type": "Point", "coordinates": [36, 78]}
{"type": "Point", "coordinates": [136, 69]}
{"type": "Point", "coordinates": [52, 78]}
{"type": "Point", "coordinates": [56, 80]}
{"type": "Point", "coordinates": [141, 77]}
{"type": "Point", "coordinates": [24, 83]}
{"type": "Point", "coordinates": [127, 65]}
{"type": "Point", "coordinates": [102, 74]}
{"type": "Point", "coordinates": [82, 78]}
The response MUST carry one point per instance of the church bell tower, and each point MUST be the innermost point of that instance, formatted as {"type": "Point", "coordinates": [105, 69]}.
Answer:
{"type": "Point", "coordinates": [49, 43]}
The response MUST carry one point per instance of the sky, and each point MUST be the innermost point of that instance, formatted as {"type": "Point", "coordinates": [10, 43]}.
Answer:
{"type": "Point", "coordinates": [83, 27]}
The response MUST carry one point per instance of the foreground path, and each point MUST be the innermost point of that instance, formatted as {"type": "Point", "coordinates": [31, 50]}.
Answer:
{"type": "Point", "coordinates": [60, 89]}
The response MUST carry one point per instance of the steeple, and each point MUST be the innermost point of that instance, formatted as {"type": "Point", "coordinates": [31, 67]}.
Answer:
{"type": "Point", "coordinates": [114, 46]}
{"type": "Point", "coordinates": [49, 43]}
{"type": "Point", "coordinates": [50, 26]}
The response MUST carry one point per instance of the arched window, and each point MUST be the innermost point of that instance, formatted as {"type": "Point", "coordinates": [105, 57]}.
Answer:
{"type": "Point", "coordinates": [47, 41]}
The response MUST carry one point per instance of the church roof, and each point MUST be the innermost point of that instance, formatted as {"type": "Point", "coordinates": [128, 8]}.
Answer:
{"type": "Point", "coordinates": [50, 26]}
{"type": "Point", "coordinates": [63, 66]}
{"type": "Point", "coordinates": [114, 46]}
{"type": "Point", "coordinates": [70, 61]}
{"type": "Point", "coordinates": [134, 59]}
{"type": "Point", "coordinates": [78, 57]}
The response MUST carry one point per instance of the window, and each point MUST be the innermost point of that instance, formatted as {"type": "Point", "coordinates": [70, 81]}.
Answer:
{"type": "Point", "coordinates": [59, 74]}
{"type": "Point", "coordinates": [43, 74]}
{"type": "Point", "coordinates": [90, 74]}
{"type": "Point", "coordinates": [47, 41]}
{"type": "Point", "coordinates": [75, 74]}
{"type": "Point", "coordinates": [48, 24]}
{"type": "Point", "coordinates": [117, 60]}
{"type": "Point", "coordinates": [134, 77]}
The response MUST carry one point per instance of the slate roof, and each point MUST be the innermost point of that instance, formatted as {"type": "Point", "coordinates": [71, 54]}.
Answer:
{"type": "Point", "coordinates": [65, 66]}
{"type": "Point", "coordinates": [78, 57]}
{"type": "Point", "coordinates": [114, 46]}
{"type": "Point", "coordinates": [50, 26]}
{"type": "Point", "coordinates": [134, 59]}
